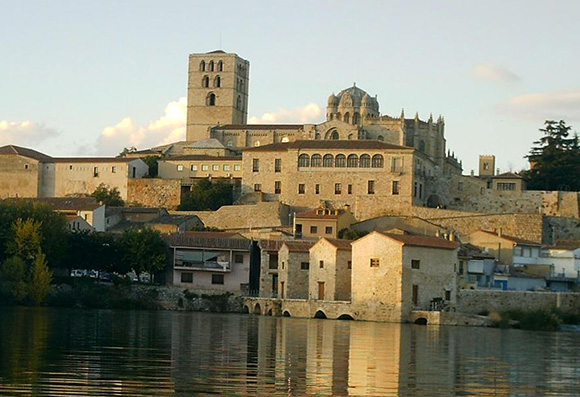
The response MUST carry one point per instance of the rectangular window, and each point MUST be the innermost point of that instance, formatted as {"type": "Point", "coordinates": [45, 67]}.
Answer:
{"type": "Point", "coordinates": [517, 251]}
{"type": "Point", "coordinates": [278, 165]}
{"type": "Point", "coordinates": [395, 188]}
{"type": "Point", "coordinates": [349, 189]}
{"type": "Point", "coordinates": [397, 164]}
{"type": "Point", "coordinates": [415, 294]}
{"type": "Point", "coordinates": [273, 261]}
{"type": "Point", "coordinates": [95, 171]}
{"type": "Point", "coordinates": [349, 265]}
{"type": "Point", "coordinates": [180, 167]}
{"type": "Point", "coordinates": [215, 167]}
{"type": "Point", "coordinates": [506, 186]}
{"type": "Point", "coordinates": [277, 187]}
{"type": "Point", "coordinates": [461, 267]}
{"type": "Point", "coordinates": [317, 188]}
{"type": "Point", "coordinates": [321, 264]}
{"type": "Point", "coordinates": [375, 262]}
{"type": "Point", "coordinates": [328, 230]}
{"type": "Point", "coordinates": [313, 229]}
{"type": "Point", "coordinates": [227, 167]}
{"type": "Point", "coordinates": [447, 295]}
{"type": "Point", "coordinates": [337, 188]}
{"type": "Point", "coordinates": [415, 190]}
{"type": "Point", "coordinates": [205, 167]}
{"type": "Point", "coordinates": [301, 188]}
{"type": "Point", "coordinates": [70, 167]}
{"type": "Point", "coordinates": [187, 277]}
{"type": "Point", "coordinates": [371, 187]}
{"type": "Point", "coordinates": [238, 258]}
{"type": "Point", "coordinates": [237, 167]}
{"type": "Point", "coordinates": [217, 279]}
{"type": "Point", "coordinates": [415, 264]}
{"type": "Point", "coordinates": [256, 165]}
{"type": "Point", "coordinates": [114, 169]}
{"type": "Point", "coordinates": [257, 187]}
{"type": "Point", "coordinates": [420, 190]}
{"type": "Point", "coordinates": [194, 167]}
{"type": "Point", "coordinates": [305, 265]}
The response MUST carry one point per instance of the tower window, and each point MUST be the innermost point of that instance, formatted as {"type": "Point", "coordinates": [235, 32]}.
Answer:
{"type": "Point", "coordinates": [217, 82]}
{"type": "Point", "coordinates": [210, 100]}
{"type": "Point", "coordinates": [347, 117]}
{"type": "Point", "coordinates": [211, 66]}
{"type": "Point", "coordinates": [202, 66]}
{"type": "Point", "coordinates": [220, 66]}
{"type": "Point", "coordinates": [205, 82]}
{"type": "Point", "coordinates": [239, 103]}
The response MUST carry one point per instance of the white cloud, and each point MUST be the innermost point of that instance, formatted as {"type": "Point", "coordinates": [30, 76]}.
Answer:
{"type": "Point", "coordinates": [24, 133]}
{"type": "Point", "coordinates": [310, 113]}
{"type": "Point", "coordinates": [561, 105]}
{"type": "Point", "coordinates": [126, 133]}
{"type": "Point", "coordinates": [494, 74]}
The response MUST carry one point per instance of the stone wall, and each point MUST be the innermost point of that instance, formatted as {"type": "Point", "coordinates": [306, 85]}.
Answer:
{"type": "Point", "coordinates": [480, 301]}
{"type": "Point", "coordinates": [150, 192]}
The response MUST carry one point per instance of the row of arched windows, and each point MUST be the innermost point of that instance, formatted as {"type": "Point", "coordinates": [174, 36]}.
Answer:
{"type": "Point", "coordinates": [341, 161]}
{"type": "Point", "coordinates": [217, 82]}
{"type": "Point", "coordinates": [211, 66]}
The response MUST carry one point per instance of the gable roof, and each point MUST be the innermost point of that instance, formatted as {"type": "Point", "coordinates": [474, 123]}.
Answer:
{"type": "Point", "coordinates": [422, 241]}
{"type": "Point", "coordinates": [298, 246]}
{"type": "Point", "coordinates": [25, 152]}
{"type": "Point", "coordinates": [508, 175]}
{"type": "Point", "coordinates": [367, 144]}
{"type": "Point", "coordinates": [513, 239]}
{"type": "Point", "coordinates": [338, 243]}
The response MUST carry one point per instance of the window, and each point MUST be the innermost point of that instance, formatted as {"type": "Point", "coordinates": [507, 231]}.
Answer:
{"type": "Point", "coordinates": [486, 166]}
{"type": "Point", "coordinates": [337, 188]}
{"type": "Point", "coordinates": [217, 279]}
{"type": "Point", "coordinates": [378, 161]}
{"type": "Point", "coordinates": [211, 66]}
{"type": "Point", "coordinates": [328, 230]}
{"type": "Point", "coordinates": [397, 164]}
{"type": "Point", "coordinates": [194, 167]}
{"type": "Point", "coordinates": [304, 265]}
{"type": "Point", "coordinates": [303, 160]}
{"type": "Point", "coordinates": [422, 146]}
{"type": "Point", "coordinates": [205, 82]}
{"type": "Point", "coordinates": [415, 264]}
{"type": "Point", "coordinates": [349, 189]}
{"type": "Point", "coordinates": [227, 167]}
{"type": "Point", "coordinates": [215, 167]}
{"type": "Point", "coordinates": [283, 265]}
{"type": "Point", "coordinates": [220, 66]}
{"type": "Point", "coordinates": [317, 188]}
{"type": "Point", "coordinates": [506, 186]}
{"type": "Point", "coordinates": [420, 190]}
{"type": "Point", "coordinates": [114, 169]}
{"type": "Point", "coordinates": [352, 161]}
{"type": "Point", "coordinates": [70, 167]}
{"type": "Point", "coordinates": [237, 167]}
{"type": "Point", "coordinates": [459, 186]}
{"type": "Point", "coordinates": [340, 161]}
{"type": "Point", "coordinates": [278, 165]}
{"type": "Point", "coordinates": [239, 103]}
{"type": "Point", "coordinates": [277, 187]}
{"type": "Point", "coordinates": [273, 261]}
{"type": "Point", "coordinates": [95, 171]}
{"type": "Point", "coordinates": [321, 264]}
{"type": "Point", "coordinates": [375, 262]}
{"type": "Point", "coordinates": [316, 160]}
{"type": "Point", "coordinates": [447, 295]}
{"type": "Point", "coordinates": [313, 229]}
{"type": "Point", "coordinates": [187, 277]}
{"type": "Point", "coordinates": [328, 160]}
{"type": "Point", "coordinates": [415, 294]}
{"type": "Point", "coordinates": [396, 187]}
{"type": "Point", "coordinates": [371, 187]}
{"type": "Point", "coordinates": [301, 188]}
{"type": "Point", "coordinates": [256, 165]}
{"type": "Point", "coordinates": [518, 251]}
{"type": "Point", "coordinates": [180, 167]}
{"type": "Point", "coordinates": [205, 167]}
{"type": "Point", "coordinates": [238, 258]}
{"type": "Point", "coordinates": [217, 82]}
{"type": "Point", "coordinates": [202, 66]}
{"type": "Point", "coordinates": [364, 161]}
{"type": "Point", "coordinates": [349, 265]}
{"type": "Point", "coordinates": [461, 267]}
{"type": "Point", "coordinates": [210, 100]}
{"type": "Point", "coordinates": [257, 187]}
{"type": "Point", "coordinates": [415, 190]}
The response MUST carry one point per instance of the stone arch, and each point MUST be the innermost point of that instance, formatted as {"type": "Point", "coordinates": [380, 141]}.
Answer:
{"type": "Point", "coordinates": [345, 317]}
{"type": "Point", "coordinates": [328, 160]}
{"type": "Point", "coordinates": [286, 314]}
{"type": "Point", "coordinates": [332, 134]}
{"type": "Point", "coordinates": [210, 99]}
{"type": "Point", "coordinates": [211, 66]}
{"type": "Point", "coordinates": [245, 309]}
{"type": "Point", "coordinates": [202, 66]}
{"type": "Point", "coordinates": [355, 118]}
{"type": "Point", "coordinates": [217, 81]}
{"type": "Point", "coordinates": [381, 138]}
{"type": "Point", "coordinates": [350, 137]}
{"type": "Point", "coordinates": [269, 312]}
{"type": "Point", "coordinates": [347, 117]}
{"type": "Point", "coordinates": [303, 160]}
{"type": "Point", "coordinates": [434, 201]}
{"type": "Point", "coordinates": [320, 314]}
{"type": "Point", "coordinates": [220, 66]}
{"type": "Point", "coordinates": [421, 321]}
{"type": "Point", "coordinates": [257, 309]}
{"type": "Point", "coordinates": [338, 116]}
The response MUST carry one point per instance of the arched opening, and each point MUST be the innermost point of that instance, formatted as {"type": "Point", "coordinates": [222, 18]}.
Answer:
{"type": "Point", "coordinates": [217, 82]}
{"type": "Point", "coordinates": [210, 100]}
{"type": "Point", "coordinates": [269, 313]}
{"type": "Point", "coordinates": [239, 102]}
{"type": "Point", "coordinates": [286, 314]}
{"type": "Point", "coordinates": [352, 161]}
{"type": "Point", "coordinates": [365, 161]}
{"type": "Point", "coordinates": [378, 161]}
{"type": "Point", "coordinates": [245, 309]}
{"type": "Point", "coordinates": [355, 118]}
{"type": "Point", "coordinates": [303, 160]}
{"type": "Point", "coordinates": [340, 161]}
{"type": "Point", "coordinates": [434, 201]}
{"type": "Point", "coordinates": [211, 66]}
{"type": "Point", "coordinates": [257, 309]}
{"type": "Point", "coordinates": [202, 66]}
{"type": "Point", "coordinates": [316, 160]}
{"type": "Point", "coordinates": [285, 139]}
{"type": "Point", "coordinates": [345, 317]}
{"type": "Point", "coordinates": [220, 66]}
{"type": "Point", "coordinates": [350, 137]}
{"type": "Point", "coordinates": [317, 136]}
{"type": "Point", "coordinates": [320, 314]}
{"type": "Point", "coordinates": [421, 321]}
{"type": "Point", "coordinates": [205, 82]}
{"type": "Point", "coordinates": [380, 138]}
{"type": "Point", "coordinates": [328, 160]}
{"type": "Point", "coordinates": [347, 117]}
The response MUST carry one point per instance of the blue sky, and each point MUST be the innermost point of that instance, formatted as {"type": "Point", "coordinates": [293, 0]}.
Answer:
{"type": "Point", "coordinates": [93, 77]}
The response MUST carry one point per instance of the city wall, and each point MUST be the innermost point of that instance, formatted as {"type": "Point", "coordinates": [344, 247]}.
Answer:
{"type": "Point", "coordinates": [150, 192]}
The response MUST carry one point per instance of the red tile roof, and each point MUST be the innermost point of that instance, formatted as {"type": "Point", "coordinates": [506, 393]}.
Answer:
{"type": "Point", "coordinates": [312, 214]}
{"type": "Point", "coordinates": [340, 244]}
{"type": "Point", "coordinates": [423, 241]}
{"type": "Point", "coordinates": [298, 246]}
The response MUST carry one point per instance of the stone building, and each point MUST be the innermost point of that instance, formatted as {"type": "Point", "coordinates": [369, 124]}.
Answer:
{"type": "Point", "coordinates": [330, 270]}
{"type": "Point", "coordinates": [507, 250]}
{"type": "Point", "coordinates": [394, 274]}
{"type": "Point", "coordinates": [293, 266]}
{"type": "Point", "coordinates": [322, 222]}
{"type": "Point", "coordinates": [188, 168]}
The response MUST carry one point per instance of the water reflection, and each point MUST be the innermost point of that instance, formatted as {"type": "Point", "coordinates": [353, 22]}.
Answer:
{"type": "Point", "coordinates": [74, 352]}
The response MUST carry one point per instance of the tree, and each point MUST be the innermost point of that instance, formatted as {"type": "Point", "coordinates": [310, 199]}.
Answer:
{"type": "Point", "coordinates": [13, 276]}
{"type": "Point", "coordinates": [351, 234]}
{"type": "Point", "coordinates": [207, 195]}
{"type": "Point", "coordinates": [40, 279]}
{"type": "Point", "coordinates": [26, 239]}
{"type": "Point", "coordinates": [143, 250]}
{"type": "Point", "coordinates": [153, 165]}
{"type": "Point", "coordinates": [555, 159]}
{"type": "Point", "coordinates": [127, 150]}
{"type": "Point", "coordinates": [96, 251]}
{"type": "Point", "coordinates": [108, 196]}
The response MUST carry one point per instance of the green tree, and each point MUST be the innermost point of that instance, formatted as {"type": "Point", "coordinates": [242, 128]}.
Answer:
{"type": "Point", "coordinates": [555, 159]}
{"type": "Point", "coordinates": [127, 150]}
{"type": "Point", "coordinates": [26, 239]}
{"type": "Point", "coordinates": [351, 234]}
{"type": "Point", "coordinates": [153, 165]}
{"type": "Point", "coordinates": [143, 250]}
{"type": "Point", "coordinates": [13, 277]}
{"type": "Point", "coordinates": [40, 279]}
{"type": "Point", "coordinates": [108, 196]}
{"type": "Point", "coordinates": [96, 251]}
{"type": "Point", "coordinates": [206, 195]}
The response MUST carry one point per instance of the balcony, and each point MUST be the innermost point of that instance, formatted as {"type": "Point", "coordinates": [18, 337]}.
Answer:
{"type": "Point", "coordinates": [210, 265]}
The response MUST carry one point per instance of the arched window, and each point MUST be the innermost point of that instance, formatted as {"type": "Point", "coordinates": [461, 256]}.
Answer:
{"type": "Point", "coordinates": [350, 136]}
{"type": "Point", "coordinates": [217, 82]}
{"type": "Point", "coordinates": [347, 117]}
{"type": "Point", "coordinates": [210, 66]}
{"type": "Point", "coordinates": [340, 161]}
{"type": "Point", "coordinates": [316, 160]}
{"type": "Point", "coordinates": [303, 160]}
{"type": "Point", "coordinates": [380, 138]}
{"type": "Point", "coordinates": [334, 135]}
{"type": "Point", "coordinates": [378, 161]}
{"type": "Point", "coordinates": [210, 100]}
{"type": "Point", "coordinates": [202, 66]}
{"type": "Point", "coordinates": [338, 116]}
{"type": "Point", "coordinates": [365, 161]}
{"type": "Point", "coordinates": [239, 103]}
{"type": "Point", "coordinates": [355, 118]}
{"type": "Point", "coordinates": [328, 160]}
{"type": "Point", "coordinates": [205, 82]}
{"type": "Point", "coordinates": [317, 136]}
{"type": "Point", "coordinates": [422, 146]}
{"type": "Point", "coordinates": [220, 66]}
{"type": "Point", "coordinates": [352, 161]}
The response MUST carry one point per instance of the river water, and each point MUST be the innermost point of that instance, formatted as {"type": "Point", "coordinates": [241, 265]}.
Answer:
{"type": "Point", "coordinates": [64, 352]}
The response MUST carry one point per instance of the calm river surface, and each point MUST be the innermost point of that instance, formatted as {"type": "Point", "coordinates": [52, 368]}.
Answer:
{"type": "Point", "coordinates": [65, 352]}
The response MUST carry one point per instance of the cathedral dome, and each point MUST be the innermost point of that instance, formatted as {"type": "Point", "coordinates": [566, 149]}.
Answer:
{"type": "Point", "coordinates": [367, 100]}
{"type": "Point", "coordinates": [332, 100]}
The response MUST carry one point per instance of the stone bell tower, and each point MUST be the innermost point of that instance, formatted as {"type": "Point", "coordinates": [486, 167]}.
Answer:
{"type": "Point", "coordinates": [217, 93]}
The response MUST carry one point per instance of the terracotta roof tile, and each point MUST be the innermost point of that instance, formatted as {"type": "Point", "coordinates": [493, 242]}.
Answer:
{"type": "Point", "coordinates": [340, 244]}
{"type": "Point", "coordinates": [298, 246]}
{"type": "Point", "coordinates": [423, 241]}
{"type": "Point", "coordinates": [513, 239]}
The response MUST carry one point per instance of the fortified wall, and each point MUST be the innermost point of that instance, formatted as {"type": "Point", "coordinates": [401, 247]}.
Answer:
{"type": "Point", "coordinates": [154, 192]}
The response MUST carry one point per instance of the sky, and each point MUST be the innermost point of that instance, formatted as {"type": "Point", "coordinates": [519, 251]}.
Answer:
{"type": "Point", "coordinates": [90, 78]}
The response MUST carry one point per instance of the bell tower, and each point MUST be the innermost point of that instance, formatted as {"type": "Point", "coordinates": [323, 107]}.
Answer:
{"type": "Point", "coordinates": [217, 93]}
